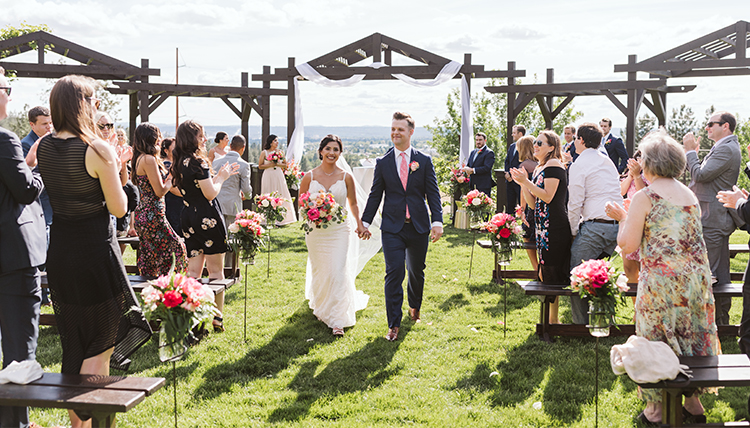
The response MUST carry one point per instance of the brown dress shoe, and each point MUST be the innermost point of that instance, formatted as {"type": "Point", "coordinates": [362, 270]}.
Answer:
{"type": "Point", "coordinates": [414, 314]}
{"type": "Point", "coordinates": [392, 334]}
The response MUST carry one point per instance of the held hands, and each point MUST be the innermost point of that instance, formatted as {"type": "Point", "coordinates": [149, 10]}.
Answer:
{"type": "Point", "coordinates": [689, 142]}
{"type": "Point", "coordinates": [615, 211]}
{"type": "Point", "coordinates": [435, 233]}
{"type": "Point", "coordinates": [363, 232]}
{"type": "Point", "coordinates": [730, 197]}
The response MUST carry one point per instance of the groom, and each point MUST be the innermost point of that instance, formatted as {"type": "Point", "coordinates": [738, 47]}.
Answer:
{"type": "Point", "coordinates": [407, 178]}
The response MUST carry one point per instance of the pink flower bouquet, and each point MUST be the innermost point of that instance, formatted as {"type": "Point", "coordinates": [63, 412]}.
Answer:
{"type": "Point", "coordinates": [246, 233]}
{"type": "Point", "coordinates": [293, 174]}
{"type": "Point", "coordinates": [504, 229]}
{"type": "Point", "coordinates": [275, 157]}
{"type": "Point", "coordinates": [320, 210]}
{"type": "Point", "coordinates": [271, 205]}
{"type": "Point", "coordinates": [180, 303]}
{"type": "Point", "coordinates": [599, 282]}
{"type": "Point", "coordinates": [459, 181]}
{"type": "Point", "coordinates": [476, 201]}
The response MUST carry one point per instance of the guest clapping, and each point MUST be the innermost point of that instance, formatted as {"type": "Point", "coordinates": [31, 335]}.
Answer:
{"type": "Point", "coordinates": [674, 302]}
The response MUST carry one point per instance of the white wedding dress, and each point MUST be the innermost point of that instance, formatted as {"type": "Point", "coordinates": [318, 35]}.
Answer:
{"type": "Point", "coordinates": [332, 266]}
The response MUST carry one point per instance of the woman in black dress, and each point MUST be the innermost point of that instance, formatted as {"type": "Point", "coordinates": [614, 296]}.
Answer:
{"type": "Point", "coordinates": [201, 222]}
{"type": "Point", "coordinates": [548, 187]}
{"type": "Point", "coordinates": [91, 295]}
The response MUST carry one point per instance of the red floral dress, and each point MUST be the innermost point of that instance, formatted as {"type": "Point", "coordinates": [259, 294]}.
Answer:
{"type": "Point", "coordinates": [159, 243]}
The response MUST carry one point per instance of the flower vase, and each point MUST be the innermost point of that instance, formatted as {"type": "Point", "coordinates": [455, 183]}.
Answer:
{"type": "Point", "coordinates": [476, 218]}
{"type": "Point", "coordinates": [598, 320]}
{"type": "Point", "coordinates": [504, 252]}
{"type": "Point", "coordinates": [170, 351]}
{"type": "Point", "coordinates": [461, 221]}
{"type": "Point", "coordinates": [248, 258]}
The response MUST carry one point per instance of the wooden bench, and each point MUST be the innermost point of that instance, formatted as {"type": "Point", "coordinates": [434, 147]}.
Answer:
{"type": "Point", "coordinates": [138, 282]}
{"type": "Point", "coordinates": [550, 292]}
{"type": "Point", "coordinates": [735, 249]}
{"type": "Point", "coordinates": [499, 274]}
{"type": "Point", "coordinates": [99, 397]}
{"type": "Point", "coordinates": [721, 370]}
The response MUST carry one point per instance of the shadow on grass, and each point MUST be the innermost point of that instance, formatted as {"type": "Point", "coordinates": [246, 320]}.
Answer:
{"type": "Point", "coordinates": [453, 302]}
{"type": "Point", "coordinates": [459, 237]}
{"type": "Point", "coordinates": [283, 242]}
{"type": "Point", "coordinates": [362, 370]}
{"type": "Point", "coordinates": [565, 371]}
{"type": "Point", "coordinates": [516, 300]}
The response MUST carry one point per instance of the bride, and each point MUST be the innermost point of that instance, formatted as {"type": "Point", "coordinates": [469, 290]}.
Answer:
{"type": "Point", "coordinates": [333, 254]}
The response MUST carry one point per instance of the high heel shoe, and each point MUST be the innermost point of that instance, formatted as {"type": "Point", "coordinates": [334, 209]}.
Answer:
{"type": "Point", "coordinates": [218, 324]}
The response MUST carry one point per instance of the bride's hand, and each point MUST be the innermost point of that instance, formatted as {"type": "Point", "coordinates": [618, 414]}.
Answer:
{"type": "Point", "coordinates": [363, 233]}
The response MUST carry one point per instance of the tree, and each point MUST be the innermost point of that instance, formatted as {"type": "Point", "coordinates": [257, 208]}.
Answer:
{"type": "Point", "coordinates": [742, 131]}
{"type": "Point", "coordinates": [18, 122]}
{"type": "Point", "coordinates": [681, 121]}
{"type": "Point", "coordinates": [643, 126]}
{"type": "Point", "coordinates": [9, 32]}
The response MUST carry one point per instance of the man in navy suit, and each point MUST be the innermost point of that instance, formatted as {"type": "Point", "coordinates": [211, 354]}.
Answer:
{"type": "Point", "coordinates": [480, 165]}
{"type": "Point", "coordinates": [512, 189]}
{"type": "Point", "coordinates": [614, 146]}
{"type": "Point", "coordinates": [407, 178]}
{"type": "Point", "coordinates": [23, 245]}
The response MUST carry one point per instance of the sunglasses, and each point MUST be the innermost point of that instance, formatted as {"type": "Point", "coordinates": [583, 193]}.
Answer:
{"type": "Point", "coordinates": [708, 125]}
{"type": "Point", "coordinates": [97, 101]}
{"type": "Point", "coordinates": [105, 125]}
{"type": "Point", "coordinates": [6, 88]}
{"type": "Point", "coordinates": [538, 143]}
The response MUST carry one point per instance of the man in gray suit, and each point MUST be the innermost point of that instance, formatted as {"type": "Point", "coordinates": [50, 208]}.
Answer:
{"type": "Point", "coordinates": [237, 187]}
{"type": "Point", "coordinates": [23, 248]}
{"type": "Point", "coordinates": [718, 171]}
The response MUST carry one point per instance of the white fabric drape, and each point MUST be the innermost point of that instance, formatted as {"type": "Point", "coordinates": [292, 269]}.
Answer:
{"type": "Point", "coordinates": [308, 72]}
{"type": "Point", "coordinates": [296, 146]}
{"type": "Point", "coordinates": [448, 72]}
{"type": "Point", "coordinates": [467, 127]}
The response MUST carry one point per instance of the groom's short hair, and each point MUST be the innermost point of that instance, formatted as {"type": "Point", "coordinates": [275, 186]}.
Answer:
{"type": "Point", "coordinates": [399, 115]}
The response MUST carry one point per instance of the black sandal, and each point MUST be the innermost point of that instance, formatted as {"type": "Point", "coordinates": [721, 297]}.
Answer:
{"type": "Point", "coordinates": [645, 422]}
{"type": "Point", "coordinates": [689, 418]}
{"type": "Point", "coordinates": [218, 328]}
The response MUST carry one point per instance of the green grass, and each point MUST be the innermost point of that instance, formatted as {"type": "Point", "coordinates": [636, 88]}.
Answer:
{"type": "Point", "coordinates": [455, 368]}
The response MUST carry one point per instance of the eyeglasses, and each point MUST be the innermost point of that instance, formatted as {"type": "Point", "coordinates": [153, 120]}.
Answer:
{"type": "Point", "coordinates": [105, 125]}
{"type": "Point", "coordinates": [712, 123]}
{"type": "Point", "coordinates": [97, 101]}
{"type": "Point", "coordinates": [538, 143]}
{"type": "Point", "coordinates": [7, 89]}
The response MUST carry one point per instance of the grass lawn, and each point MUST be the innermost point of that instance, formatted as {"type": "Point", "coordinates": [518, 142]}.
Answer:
{"type": "Point", "coordinates": [453, 369]}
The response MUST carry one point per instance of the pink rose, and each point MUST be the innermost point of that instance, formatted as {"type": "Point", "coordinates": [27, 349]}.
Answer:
{"type": "Point", "coordinates": [504, 233]}
{"type": "Point", "coordinates": [313, 214]}
{"type": "Point", "coordinates": [172, 298]}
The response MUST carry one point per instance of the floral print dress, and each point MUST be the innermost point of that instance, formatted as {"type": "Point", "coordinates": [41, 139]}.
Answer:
{"type": "Point", "coordinates": [553, 237]}
{"type": "Point", "coordinates": [158, 242]}
{"type": "Point", "coordinates": [675, 303]}
{"type": "Point", "coordinates": [201, 220]}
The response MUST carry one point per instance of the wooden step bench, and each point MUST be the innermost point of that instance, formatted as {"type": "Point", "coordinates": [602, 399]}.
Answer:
{"type": "Point", "coordinates": [722, 370]}
{"type": "Point", "coordinates": [550, 292]}
{"type": "Point", "coordinates": [735, 249]}
{"type": "Point", "coordinates": [99, 397]}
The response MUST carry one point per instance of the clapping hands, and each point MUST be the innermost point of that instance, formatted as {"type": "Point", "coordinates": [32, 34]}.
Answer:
{"type": "Point", "coordinates": [730, 197]}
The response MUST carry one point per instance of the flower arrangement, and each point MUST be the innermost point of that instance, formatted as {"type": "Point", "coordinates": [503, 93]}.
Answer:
{"type": "Point", "coordinates": [476, 201]}
{"type": "Point", "coordinates": [414, 166]}
{"type": "Point", "coordinates": [246, 233]}
{"type": "Point", "coordinates": [271, 205]}
{"type": "Point", "coordinates": [459, 181]}
{"type": "Point", "coordinates": [180, 303]}
{"type": "Point", "coordinates": [320, 210]}
{"type": "Point", "coordinates": [293, 174]}
{"type": "Point", "coordinates": [275, 157]}
{"type": "Point", "coordinates": [504, 230]}
{"type": "Point", "coordinates": [598, 281]}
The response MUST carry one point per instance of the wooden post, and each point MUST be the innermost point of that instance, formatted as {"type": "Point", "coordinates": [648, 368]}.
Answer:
{"type": "Point", "coordinates": [143, 95]}
{"type": "Point", "coordinates": [549, 100]}
{"type": "Point", "coordinates": [246, 110]}
{"type": "Point", "coordinates": [132, 113]}
{"type": "Point", "coordinates": [265, 104]}
{"type": "Point", "coordinates": [511, 102]}
{"type": "Point", "coordinates": [376, 45]}
{"type": "Point", "coordinates": [632, 107]}
{"type": "Point", "coordinates": [291, 101]}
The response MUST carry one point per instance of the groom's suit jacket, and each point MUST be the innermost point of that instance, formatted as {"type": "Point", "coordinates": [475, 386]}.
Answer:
{"type": "Point", "coordinates": [421, 184]}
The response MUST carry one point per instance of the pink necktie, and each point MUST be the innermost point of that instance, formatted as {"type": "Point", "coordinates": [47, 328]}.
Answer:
{"type": "Point", "coordinates": [404, 173]}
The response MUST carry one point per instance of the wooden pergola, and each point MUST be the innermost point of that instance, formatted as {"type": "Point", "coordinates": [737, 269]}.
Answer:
{"type": "Point", "coordinates": [127, 79]}
{"type": "Point", "coordinates": [341, 64]}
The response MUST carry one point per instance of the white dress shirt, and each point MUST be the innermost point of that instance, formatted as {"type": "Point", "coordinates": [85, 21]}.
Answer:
{"type": "Point", "coordinates": [593, 181]}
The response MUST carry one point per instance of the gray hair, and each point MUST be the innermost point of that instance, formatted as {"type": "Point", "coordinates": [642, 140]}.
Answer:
{"type": "Point", "coordinates": [662, 155]}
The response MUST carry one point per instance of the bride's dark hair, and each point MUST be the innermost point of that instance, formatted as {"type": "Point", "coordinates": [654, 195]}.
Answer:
{"type": "Point", "coordinates": [327, 139]}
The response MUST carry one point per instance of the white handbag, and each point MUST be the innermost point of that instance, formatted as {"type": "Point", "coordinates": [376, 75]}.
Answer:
{"type": "Point", "coordinates": [645, 361]}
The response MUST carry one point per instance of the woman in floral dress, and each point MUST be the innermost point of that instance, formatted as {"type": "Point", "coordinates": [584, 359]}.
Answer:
{"type": "Point", "coordinates": [159, 244]}
{"type": "Point", "coordinates": [674, 302]}
{"type": "Point", "coordinates": [201, 220]}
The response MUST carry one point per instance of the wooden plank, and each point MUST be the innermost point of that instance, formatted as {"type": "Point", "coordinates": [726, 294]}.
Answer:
{"type": "Point", "coordinates": [148, 385]}
{"type": "Point", "coordinates": [97, 400]}
{"type": "Point", "coordinates": [724, 360]}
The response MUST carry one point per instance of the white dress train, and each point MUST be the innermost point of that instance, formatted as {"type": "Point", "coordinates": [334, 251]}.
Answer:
{"type": "Point", "coordinates": [332, 268]}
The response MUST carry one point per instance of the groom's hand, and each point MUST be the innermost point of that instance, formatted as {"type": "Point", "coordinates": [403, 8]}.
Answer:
{"type": "Point", "coordinates": [435, 233]}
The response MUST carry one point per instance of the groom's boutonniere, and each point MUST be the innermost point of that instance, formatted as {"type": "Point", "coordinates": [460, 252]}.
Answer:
{"type": "Point", "coordinates": [414, 166]}
{"type": "Point", "coordinates": [608, 142]}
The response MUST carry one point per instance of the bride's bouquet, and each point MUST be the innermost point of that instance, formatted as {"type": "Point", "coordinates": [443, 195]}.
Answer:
{"type": "Point", "coordinates": [271, 205]}
{"type": "Point", "coordinates": [320, 210]}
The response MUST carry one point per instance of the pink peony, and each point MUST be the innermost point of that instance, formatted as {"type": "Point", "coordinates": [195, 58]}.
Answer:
{"type": "Point", "coordinates": [504, 232]}
{"type": "Point", "coordinates": [172, 298]}
{"type": "Point", "coordinates": [313, 214]}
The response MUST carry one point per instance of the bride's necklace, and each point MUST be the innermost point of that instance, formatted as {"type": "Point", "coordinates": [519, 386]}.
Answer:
{"type": "Point", "coordinates": [333, 172]}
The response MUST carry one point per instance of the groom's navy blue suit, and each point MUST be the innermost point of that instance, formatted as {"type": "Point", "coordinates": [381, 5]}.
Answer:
{"type": "Point", "coordinates": [404, 241]}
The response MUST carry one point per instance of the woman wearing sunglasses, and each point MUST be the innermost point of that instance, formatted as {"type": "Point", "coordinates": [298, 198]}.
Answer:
{"type": "Point", "coordinates": [547, 188]}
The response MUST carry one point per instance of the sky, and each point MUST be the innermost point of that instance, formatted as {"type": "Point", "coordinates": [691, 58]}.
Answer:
{"type": "Point", "coordinates": [217, 40]}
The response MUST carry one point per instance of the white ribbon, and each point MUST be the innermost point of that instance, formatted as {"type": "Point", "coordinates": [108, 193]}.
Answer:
{"type": "Point", "coordinates": [448, 72]}
{"type": "Point", "coordinates": [467, 127]}
{"type": "Point", "coordinates": [308, 72]}
{"type": "Point", "coordinates": [296, 146]}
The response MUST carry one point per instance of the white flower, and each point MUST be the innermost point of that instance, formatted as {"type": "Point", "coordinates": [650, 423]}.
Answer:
{"type": "Point", "coordinates": [234, 228]}
{"type": "Point", "coordinates": [191, 230]}
{"type": "Point", "coordinates": [194, 253]}
{"type": "Point", "coordinates": [264, 202]}
{"type": "Point", "coordinates": [209, 243]}
{"type": "Point", "coordinates": [476, 201]}
{"type": "Point", "coordinates": [204, 227]}
{"type": "Point", "coordinates": [186, 235]}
